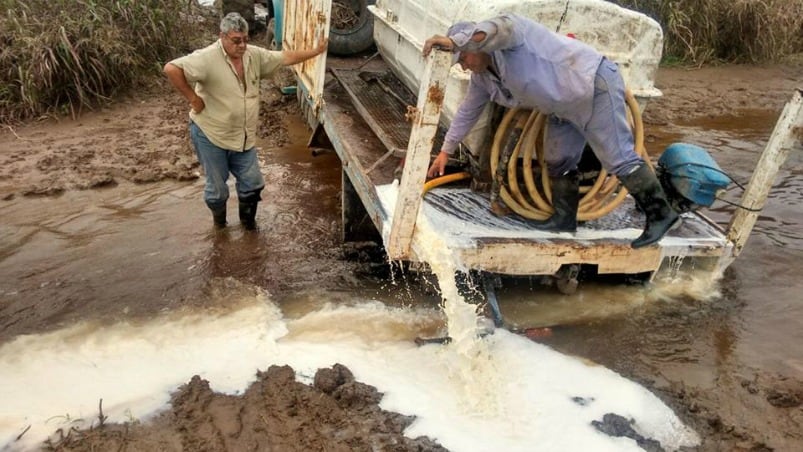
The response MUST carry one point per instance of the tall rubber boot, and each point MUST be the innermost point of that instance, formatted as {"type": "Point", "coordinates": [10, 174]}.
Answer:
{"type": "Point", "coordinates": [565, 199]}
{"type": "Point", "coordinates": [643, 185]}
{"type": "Point", "coordinates": [218, 213]}
{"type": "Point", "coordinates": [248, 210]}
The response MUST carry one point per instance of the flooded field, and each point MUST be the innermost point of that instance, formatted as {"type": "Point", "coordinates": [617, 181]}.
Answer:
{"type": "Point", "coordinates": [133, 281]}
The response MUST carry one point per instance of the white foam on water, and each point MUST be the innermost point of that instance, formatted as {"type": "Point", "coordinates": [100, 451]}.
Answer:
{"type": "Point", "coordinates": [470, 368]}
{"type": "Point", "coordinates": [55, 380]}
{"type": "Point", "coordinates": [50, 381]}
{"type": "Point", "coordinates": [501, 392]}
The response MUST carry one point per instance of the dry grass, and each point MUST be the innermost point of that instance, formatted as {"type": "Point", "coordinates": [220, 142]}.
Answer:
{"type": "Point", "coordinates": [704, 31]}
{"type": "Point", "coordinates": [65, 55]}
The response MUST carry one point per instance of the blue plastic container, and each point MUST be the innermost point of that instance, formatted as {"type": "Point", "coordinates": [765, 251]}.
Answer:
{"type": "Point", "coordinates": [693, 173]}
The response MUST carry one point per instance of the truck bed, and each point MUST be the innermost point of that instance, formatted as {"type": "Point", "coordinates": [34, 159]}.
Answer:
{"type": "Point", "coordinates": [365, 122]}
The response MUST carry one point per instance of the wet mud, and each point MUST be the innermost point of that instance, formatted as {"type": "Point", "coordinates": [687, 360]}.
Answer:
{"type": "Point", "coordinates": [275, 413]}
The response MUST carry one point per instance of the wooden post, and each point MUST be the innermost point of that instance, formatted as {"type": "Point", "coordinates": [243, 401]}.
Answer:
{"type": "Point", "coordinates": [419, 148]}
{"type": "Point", "coordinates": [788, 129]}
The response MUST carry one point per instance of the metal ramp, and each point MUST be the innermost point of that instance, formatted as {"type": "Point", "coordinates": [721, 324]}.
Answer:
{"type": "Point", "coordinates": [383, 102]}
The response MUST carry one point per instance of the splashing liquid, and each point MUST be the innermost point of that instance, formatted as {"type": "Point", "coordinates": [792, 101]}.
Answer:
{"type": "Point", "coordinates": [470, 364]}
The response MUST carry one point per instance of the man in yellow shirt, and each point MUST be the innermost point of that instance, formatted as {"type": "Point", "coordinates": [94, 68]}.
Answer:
{"type": "Point", "coordinates": [221, 84]}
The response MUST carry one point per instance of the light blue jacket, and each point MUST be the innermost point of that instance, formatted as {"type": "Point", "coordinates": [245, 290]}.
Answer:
{"type": "Point", "coordinates": [538, 69]}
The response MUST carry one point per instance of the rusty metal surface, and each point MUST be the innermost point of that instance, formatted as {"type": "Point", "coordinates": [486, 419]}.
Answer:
{"type": "Point", "coordinates": [306, 24]}
{"type": "Point", "coordinates": [383, 102]}
{"type": "Point", "coordinates": [522, 257]}
{"type": "Point", "coordinates": [358, 148]}
{"type": "Point", "coordinates": [357, 143]}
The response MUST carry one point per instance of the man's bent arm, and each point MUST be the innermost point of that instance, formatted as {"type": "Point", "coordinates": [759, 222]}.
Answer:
{"type": "Point", "coordinates": [175, 75]}
{"type": "Point", "coordinates": [468, 113]}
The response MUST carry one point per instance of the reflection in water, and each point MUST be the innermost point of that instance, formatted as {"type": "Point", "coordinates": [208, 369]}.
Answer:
{"type": "Point", "coordinates": [236, 253]}
{"type": "Point", "coordinates": [736, 144]}
{"type": "Point", "coordinates": [764, 280]}
{"type": "Point", "coordinates": [724, 344]}
{"type": "Point", "coordinates": [542, 305]}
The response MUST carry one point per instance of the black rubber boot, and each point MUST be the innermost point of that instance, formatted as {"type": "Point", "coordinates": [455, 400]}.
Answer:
{"type": "Point", "coordinates": [565, 199]}
{"type": "Point", "coordinates": [218, 214]}
{"type": "Point", "coordinates": [248, 214]}
{"type": "Point", "coordinates": [248, 210]}
{"type": "Point", "coordinates": [643, 185]}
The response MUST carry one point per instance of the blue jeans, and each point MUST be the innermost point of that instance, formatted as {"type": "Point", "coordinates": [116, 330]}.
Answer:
{"type": "Point", "coordinates": [218, 162]}
{"type": "Point", "coordinates": [608, 131]}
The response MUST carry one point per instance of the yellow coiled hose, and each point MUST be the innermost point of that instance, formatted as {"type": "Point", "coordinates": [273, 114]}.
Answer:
{"type": "Point", "coordinates": [597, 201]}
{"type": "Point", "coordinates": [444, 180]}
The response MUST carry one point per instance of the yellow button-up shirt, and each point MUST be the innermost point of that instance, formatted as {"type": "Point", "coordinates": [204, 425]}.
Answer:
{"type": "Point", "coordinates": [231, 114]}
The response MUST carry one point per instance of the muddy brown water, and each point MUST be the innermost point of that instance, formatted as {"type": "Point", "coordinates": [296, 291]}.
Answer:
{"type": "Point", "coordinates": [132, 251]}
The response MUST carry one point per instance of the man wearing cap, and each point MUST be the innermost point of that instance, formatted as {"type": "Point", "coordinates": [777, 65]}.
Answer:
{"type": "Point", "coordinates": [221, 85]}
{"type": "Point", "coordinates": [518, 63]}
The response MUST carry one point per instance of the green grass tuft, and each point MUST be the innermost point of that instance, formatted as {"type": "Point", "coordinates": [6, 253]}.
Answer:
{"type": "Point", "coordinates": [66, 55]}
{"type": "Point", "coordinates": [736, 31]}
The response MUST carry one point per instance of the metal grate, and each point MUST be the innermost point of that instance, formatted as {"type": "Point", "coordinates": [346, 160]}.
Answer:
{"type": "Point", "coordinates": [382, 102]}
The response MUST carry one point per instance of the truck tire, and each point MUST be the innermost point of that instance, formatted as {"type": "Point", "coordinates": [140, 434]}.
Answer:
{"type": "Point", "coordinates": [245, 8]}
{"type": "Point", "coordinates": [270, 34]}
{"type": "Point", "coordinates": [352, 27]}
{"type": "Point", "coordinates": [270, 24]}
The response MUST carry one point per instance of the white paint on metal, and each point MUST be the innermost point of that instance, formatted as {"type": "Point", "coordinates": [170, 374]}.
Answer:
{"type": "Point", "coordinates": [631, 39]}
{"type": "Point", "coordinates": [425, 125]}
{"type": "Point", "coordinates": [528, 251]}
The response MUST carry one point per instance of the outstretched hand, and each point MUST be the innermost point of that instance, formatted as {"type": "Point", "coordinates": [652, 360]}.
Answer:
{"type": "Point", "coordinates": [322, 46]}
{"type": "Point", "coordinates": [438, 165]}
{"type": "Point", "coordinates": [291, 57]}
{"type": "Point", "coordinates": [439, 41]}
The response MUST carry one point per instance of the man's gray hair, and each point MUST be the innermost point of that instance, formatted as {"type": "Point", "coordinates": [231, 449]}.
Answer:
{"type": "Point", "coordinates": [233, 22]}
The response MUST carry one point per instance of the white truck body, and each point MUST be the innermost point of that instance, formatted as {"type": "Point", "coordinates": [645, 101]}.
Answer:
{"type": "Point", "coordinates": [360, 121]}
{"type": "Point", "coordinates": [631, 39]}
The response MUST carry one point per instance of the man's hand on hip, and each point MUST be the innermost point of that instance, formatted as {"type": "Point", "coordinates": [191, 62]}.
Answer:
{"type": "Point", "coordinates": [197, 104]}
